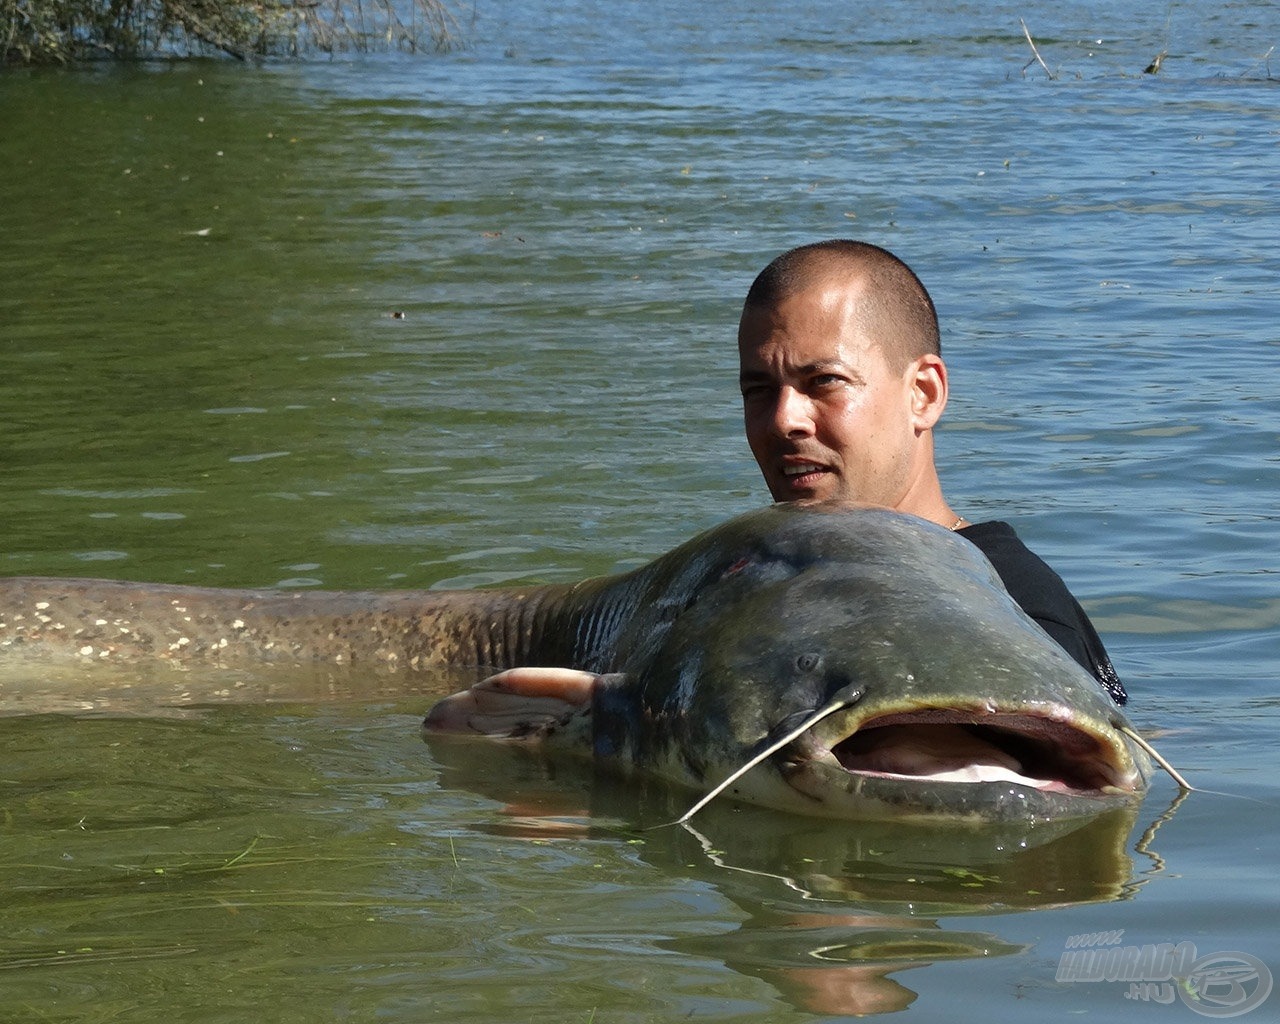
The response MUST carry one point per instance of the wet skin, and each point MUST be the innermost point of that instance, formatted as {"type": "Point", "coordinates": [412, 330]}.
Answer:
{"type": "Point", "coordinates": [828, 414]}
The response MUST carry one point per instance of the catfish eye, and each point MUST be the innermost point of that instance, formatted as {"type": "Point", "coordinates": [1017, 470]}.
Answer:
{"type": "Point", "coordinates": [808, 662]}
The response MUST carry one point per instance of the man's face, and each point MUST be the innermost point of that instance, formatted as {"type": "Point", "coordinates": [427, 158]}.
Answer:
{"type": "Point", "coordinates": [826, 416]}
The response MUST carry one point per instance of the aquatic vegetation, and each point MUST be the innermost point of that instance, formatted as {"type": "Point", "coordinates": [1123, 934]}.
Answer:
{"type": "Point", "coordinates": [64, 31]}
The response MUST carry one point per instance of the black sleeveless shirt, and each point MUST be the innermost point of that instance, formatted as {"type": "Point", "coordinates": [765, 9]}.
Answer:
{"type": "Point", "coordinates": [1042, 595]}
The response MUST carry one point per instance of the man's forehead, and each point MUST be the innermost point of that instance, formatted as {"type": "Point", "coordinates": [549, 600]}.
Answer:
{"type": "Point", "coordinates": [834, 296]}
{"type": "Point", "coordinates": [827, 284]}
{"type": "Point", "coordinates": [822, 325]}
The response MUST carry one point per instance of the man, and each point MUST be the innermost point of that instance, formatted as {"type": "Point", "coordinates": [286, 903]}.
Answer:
{"type": "Point", "coordinates": [842, 383]}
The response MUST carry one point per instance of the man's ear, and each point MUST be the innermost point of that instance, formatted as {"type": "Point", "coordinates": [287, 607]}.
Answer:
{"type": "Point", "coordinates": [927, 378]}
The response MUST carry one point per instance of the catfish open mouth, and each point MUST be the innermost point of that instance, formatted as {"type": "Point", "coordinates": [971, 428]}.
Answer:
{"type": "Point", "coordinates": [945, 745]}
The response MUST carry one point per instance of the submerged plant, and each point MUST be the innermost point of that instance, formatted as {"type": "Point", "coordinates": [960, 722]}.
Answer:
{"type": "Point", "coordinates": [62, 31]}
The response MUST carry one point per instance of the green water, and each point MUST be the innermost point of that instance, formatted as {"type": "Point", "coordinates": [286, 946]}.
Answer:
{"type": "Point", "coordinates": [311, 861]}
{"type": "Point", "coordinates": [183, 874]}
{"type": "Point", "coordinates": [467, 320]}
{"type": "Point", "coordinates": [206, 355]}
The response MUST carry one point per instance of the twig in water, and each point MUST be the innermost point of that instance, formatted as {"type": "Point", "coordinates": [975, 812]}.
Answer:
{"type": "Point", "coordinates": [1264, 59]}
{"type": "Point", "coordinates": [243, 853]}
{"type": "Point", "coordinates": [1031, 42]}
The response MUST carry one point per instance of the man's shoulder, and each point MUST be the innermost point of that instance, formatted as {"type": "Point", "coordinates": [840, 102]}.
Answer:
{"type": "Point", "coordinates": [1014, 561]}
{"type": "Point", "coordinates": [992, 532]}
{"type": "Point", "coordinates": [1044, 596]}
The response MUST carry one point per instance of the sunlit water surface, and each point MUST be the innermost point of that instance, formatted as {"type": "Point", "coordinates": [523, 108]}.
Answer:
{"type": "Point", "coordinates": [467, 319]}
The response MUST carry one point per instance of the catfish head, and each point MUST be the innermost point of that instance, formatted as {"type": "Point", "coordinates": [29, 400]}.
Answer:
{"type": "Point", "coordinates": [881, 672]}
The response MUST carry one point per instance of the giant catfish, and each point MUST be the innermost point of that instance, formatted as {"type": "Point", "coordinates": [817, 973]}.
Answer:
{"type": "Point", "coordinates": [877, 657]}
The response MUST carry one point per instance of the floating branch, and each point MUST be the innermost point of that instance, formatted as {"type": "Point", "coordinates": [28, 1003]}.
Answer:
{"type": "Point", "coordinates": [1264, 60]}
{"type": "Point", "coordinates": [1031, 42]}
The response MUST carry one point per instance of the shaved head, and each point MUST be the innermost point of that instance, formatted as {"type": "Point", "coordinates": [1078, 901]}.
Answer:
{"type": "Point", "coordinates": [893, 307]}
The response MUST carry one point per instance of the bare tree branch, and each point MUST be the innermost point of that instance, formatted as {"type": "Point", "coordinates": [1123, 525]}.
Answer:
{"type": "Point", "coordinates": [1027, 32]}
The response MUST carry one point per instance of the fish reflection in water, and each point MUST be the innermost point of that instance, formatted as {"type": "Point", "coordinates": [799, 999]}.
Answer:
{"type": "Point", "coordinates": [834, 910]}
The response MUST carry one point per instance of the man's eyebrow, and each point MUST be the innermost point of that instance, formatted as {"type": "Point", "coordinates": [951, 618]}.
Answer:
{"type": "Point", "coordinates": [819, 366]}
{"type": "Point", "coordinates": [825, 366]}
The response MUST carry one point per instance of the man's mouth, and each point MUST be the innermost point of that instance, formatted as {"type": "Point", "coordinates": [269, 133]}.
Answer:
{"type": "Point", "coordinates": [803, 476]}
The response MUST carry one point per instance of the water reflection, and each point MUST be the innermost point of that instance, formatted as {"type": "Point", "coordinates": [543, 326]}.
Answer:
{"type": "Point", "coordinates": [833, 910]}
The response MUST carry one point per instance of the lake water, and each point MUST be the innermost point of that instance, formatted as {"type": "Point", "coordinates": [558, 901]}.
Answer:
{"type": "Point", "coordinates": [468, 319]}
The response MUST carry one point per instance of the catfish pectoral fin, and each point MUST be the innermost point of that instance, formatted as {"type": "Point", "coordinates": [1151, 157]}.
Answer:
{"type": "Point", "coordinates": [520, 703]}
{"type": "Point", "coordinates": [570, 685]}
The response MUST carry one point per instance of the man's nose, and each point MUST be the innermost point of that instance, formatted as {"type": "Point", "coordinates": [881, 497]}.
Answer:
{"type": "Point", "coordinates": [793, 415]}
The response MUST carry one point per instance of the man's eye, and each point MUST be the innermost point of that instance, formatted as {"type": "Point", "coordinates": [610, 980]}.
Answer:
{"type": "Point", "coordinates": [825, 381]}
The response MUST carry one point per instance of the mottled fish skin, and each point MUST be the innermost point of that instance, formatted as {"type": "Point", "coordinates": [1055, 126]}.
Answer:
{"type": "Point", "coordinates": [598, 624]}
{"type": "Point", "coordinates": [104, 622]}
{"type": "Point", "coordinates": [907, 613]}
{"type": "Point", "coordinates": [745, 631]}
{"type": "Point", "coordinates": [710, 649]}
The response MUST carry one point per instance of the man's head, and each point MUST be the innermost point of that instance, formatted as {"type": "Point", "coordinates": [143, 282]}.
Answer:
{"type": "Point", "coordinates": [842, 378]}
